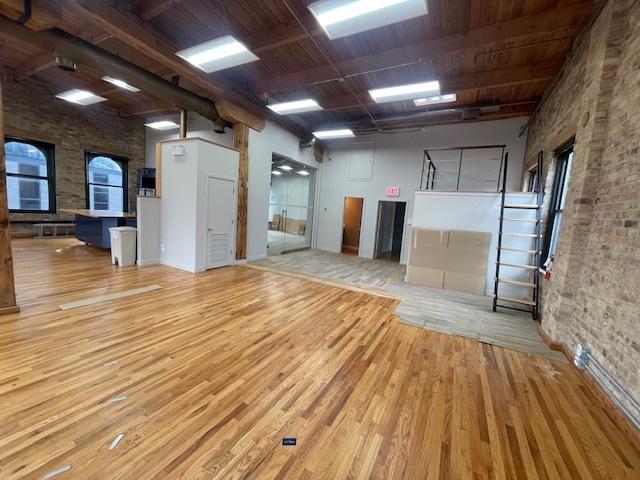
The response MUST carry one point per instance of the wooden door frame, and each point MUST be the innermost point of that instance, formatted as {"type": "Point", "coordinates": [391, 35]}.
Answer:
{"type": "Point", "coordinates": [344, 202]}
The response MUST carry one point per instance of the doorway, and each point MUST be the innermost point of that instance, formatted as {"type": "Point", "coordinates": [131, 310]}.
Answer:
{"type": "Point", "coordinates": [389, 230]}
{"type": "Point", "coordinates": [351, 224]}
{"type": "Point", "coordinates": [290, 206]}
{"type": "Point", "coordinates": [220, 222]}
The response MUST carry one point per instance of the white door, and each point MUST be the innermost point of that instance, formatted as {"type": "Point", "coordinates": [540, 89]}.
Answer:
{"type": "Point", "coordinates": [220, 222]}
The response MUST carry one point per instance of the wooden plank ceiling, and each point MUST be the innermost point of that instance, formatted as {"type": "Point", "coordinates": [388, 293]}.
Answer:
{"type": "Point", "coordinates": [498, 56]}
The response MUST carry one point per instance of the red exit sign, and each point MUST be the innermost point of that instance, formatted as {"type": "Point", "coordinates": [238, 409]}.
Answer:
{"type": "Point", "coordinates": [393, 191]}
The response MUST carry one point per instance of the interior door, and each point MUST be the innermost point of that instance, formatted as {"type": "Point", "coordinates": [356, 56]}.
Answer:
{"type": "Point", "coordinates": [351, 222]}
{"type": "Point", "coordinates": [220, 222]}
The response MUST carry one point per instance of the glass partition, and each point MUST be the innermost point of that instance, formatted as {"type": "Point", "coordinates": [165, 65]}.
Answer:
{"type": "Point", "coordinates": [290, 206]}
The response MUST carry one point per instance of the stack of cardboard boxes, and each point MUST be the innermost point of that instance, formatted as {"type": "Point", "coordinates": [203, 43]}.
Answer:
{"type": "Point", "coordinates": [449, 259]}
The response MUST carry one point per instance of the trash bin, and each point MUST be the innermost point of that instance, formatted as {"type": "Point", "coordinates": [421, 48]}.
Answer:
{"type": "Point", "coordinates": [123, 246]}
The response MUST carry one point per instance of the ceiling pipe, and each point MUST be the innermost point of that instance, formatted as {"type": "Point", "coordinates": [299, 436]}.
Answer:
{"type": "Point", "coordinates": [63, 45]}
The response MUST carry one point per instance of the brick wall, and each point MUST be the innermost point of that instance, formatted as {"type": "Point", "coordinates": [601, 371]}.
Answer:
{"type": "Point", "coordinates": [594, 296]}
{"type": "Point", "coordinates": [32, 111]}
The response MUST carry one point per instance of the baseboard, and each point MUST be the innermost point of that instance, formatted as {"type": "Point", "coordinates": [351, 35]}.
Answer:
{"type": "Point", "coordinates": [256, 258]}
{"type": "Point", "coordinates": [601, 397]}
{"type": "Point", "coordinates": [242, 261]}
{"type": "Point", "coordinates": [8, 310]}
{"type": "Point", "coordinates": [148, 261]}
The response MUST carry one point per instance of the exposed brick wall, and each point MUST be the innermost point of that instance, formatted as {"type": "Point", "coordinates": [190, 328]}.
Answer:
{"type": "Point", "coordinates": [32, 111]}
{"type": "Point", "coordinates": [594, 296]}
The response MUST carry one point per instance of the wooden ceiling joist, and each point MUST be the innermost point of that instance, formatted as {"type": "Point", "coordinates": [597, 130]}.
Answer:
{"type": "Point", "coordinates": [562, 19]}
{"type": "Point", "coordinates": [148, 9]}
{"type": "Point", "coordinates": [144, 39]}
{"type": "Point", "coordinates": [45, 14]}
{"type": "Point", "coordinates": [461, 83]}
{"type": "Point", "coordinates": [34, 65]}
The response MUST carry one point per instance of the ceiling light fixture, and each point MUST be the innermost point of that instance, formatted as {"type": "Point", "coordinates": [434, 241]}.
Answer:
{"type": "Point", "coordinates": [435, 100]}
{"type": "Point", "coordinates": [286, 168]}
{"type": "Point", "coordinates": [80, 97]}
{"type": "Point", "coordinates": [275, 172]}
{"type": "Point", "coordinates": [304, 173]}
{"type": "Point", "coordinates": [339, 133]}
{"type": "Point", "coordinates": [218, 54]}
{"type": "Point", "coordinates": [163, 125]}
{"type": "Point", "coordinates": [406, 92]}
{"type": "Point", "coordinates": [298, 106]}
{"type": "Point", "coordinates": [340, 18]}
{"type": "Point", "coordinates": [120, 83]}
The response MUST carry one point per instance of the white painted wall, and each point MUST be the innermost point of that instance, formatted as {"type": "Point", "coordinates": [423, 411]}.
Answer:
{"type": "Point", "coordinates": [397, 161]}
{"type": "Point", "coordinates": [261, 147]}
{"type": "Point", "coordinates": [480, 212]}
{"type": "Point", "coordinates": [184, 199]}
{"type": "Point", "coordinates": [197, 126]}
{"type": "Point", "coordinates": [148, 224]}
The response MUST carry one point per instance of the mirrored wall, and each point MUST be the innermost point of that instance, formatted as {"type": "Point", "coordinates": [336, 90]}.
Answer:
{"type": "Point", "coordinates": [290, 206]}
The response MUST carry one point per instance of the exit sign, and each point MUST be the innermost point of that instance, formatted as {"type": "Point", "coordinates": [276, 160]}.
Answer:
{"type": "Point", "coordinates": [393, 191]}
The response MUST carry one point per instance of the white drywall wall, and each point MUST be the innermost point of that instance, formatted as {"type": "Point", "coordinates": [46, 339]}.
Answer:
{"type": "Point", "coordinates": [197, 126]}
{"type": "Point", "coordinates": [397, 161]}
{"type": "Point", "coordinates": [148, 224]}
{"type": "Point", "coordinates": [480, 212]}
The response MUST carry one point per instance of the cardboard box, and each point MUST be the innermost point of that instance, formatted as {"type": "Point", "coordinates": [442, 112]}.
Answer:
{"type": "Point", "coordinates": [429, 277]}
{"type": "Point", "coordinates": [464, 282]}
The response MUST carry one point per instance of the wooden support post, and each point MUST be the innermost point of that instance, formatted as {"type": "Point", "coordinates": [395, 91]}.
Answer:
{"type": "Point", "coordinates": [7, 289]}
{"type": "Point", "coordinates": [241, 142]}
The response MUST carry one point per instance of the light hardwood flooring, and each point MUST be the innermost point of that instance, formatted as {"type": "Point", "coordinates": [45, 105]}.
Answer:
{"type": "Point", "coordinates": [443, 311]}
{"type": "Point", "coordinates": [218, 367]}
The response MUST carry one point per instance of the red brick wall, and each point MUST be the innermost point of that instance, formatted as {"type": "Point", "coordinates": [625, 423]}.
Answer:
{"type": "Point", "coordinates": [594, 296]}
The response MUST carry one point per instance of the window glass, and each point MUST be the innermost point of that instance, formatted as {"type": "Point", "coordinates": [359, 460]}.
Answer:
{"type": "Point", "coordinates": [29, 167]}
{"type": "Point", "coordinates": [106, 182]}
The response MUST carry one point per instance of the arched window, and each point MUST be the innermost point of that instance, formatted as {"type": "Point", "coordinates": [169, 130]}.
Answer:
{"type": "Point", "coordinates": [106, 182]}
{"type": "Point", "coordinates": [30, 175]}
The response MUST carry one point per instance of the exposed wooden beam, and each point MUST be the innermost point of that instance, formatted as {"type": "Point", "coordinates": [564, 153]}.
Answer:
{"type": "Point", "coordinates": [282, 35]}
{"type": "Point", "coordinates": [144, 39]}
{"type": "Point", "coordinates": [45, 14]}
{"type": "Point", "coordinates": [149, 9]}
{"type": "Point", "coordinates": [35, 64]}
{"type": "Point", "coordinates": [562, 19]}
{"type": "Point", "coordinates": [241, 142]}
{"type": "Point", "coordinates": [7, 288]}
{"type": "Point", "coordinates": [463, 83]}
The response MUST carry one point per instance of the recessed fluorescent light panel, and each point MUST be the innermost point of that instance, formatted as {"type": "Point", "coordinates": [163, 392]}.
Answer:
{"type": "Point", "coordinates": [406, 92]}
{"type": "Point", "coordinates": [276, 172]}
{"type": "Point", "coordinates": [299, 106]}
{"type": "Point", "coordinates": [304, 173]}
{"type": "Point", "coordinates": [285, 167]}
{"type": "Point", "coordinates": [218, 54]}
{"type": "Point", "coordinates": [163, 125]}
{"type": "Point", "coordinates": [435, 100]}
{"type": "Point", "coordinates": [340, 133]}
{"type": "Point", "coordinates": [340, 18]}
{"type": "Point", "coordinates": [80, 97]}
{"type": "Point", "coordinates": [120, 83]}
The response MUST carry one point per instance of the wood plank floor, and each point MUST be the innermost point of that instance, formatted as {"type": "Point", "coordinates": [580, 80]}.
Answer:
{"type": "Point", "coordinates": [218, 367]}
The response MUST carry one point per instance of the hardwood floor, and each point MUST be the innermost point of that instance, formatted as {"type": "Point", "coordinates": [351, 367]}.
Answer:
{"type": "Point", "coordinates": [218, 367]}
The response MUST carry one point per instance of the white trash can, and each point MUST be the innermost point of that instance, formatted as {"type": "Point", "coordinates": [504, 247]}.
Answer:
{"type": "Point", "coordinates": [123, 246]}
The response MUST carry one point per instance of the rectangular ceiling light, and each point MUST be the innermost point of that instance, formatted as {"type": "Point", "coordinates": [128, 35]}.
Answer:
{"type": "Point", "coordinates": [276, 173]}
{"type": "Point", "coordinates": [218, 54]}
{"type": "Point", "coordinates": [299, 106]}
{"type": "Point", "coordinates": [80, 97]}
{"type": "Point", "coordinates": [406, 92]}
{"type": "Point", "coordinates": [340, 18]}
{"type": "Point", "coordinates": [120, 83]}
{"type": "Point", "coordinates": [304, 173]}
{"type": "Point", "coordinates": [340, 133]}
{"type": "Point", "coordinates": [435, 100]}
{"type": "Point", "coordinates": [285, 167]}
{"type": "Point", "coordinates": [163, 125]}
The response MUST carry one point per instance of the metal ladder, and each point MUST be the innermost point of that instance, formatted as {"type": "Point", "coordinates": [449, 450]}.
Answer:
{"type": "Point", "coordinates": [530, 305]}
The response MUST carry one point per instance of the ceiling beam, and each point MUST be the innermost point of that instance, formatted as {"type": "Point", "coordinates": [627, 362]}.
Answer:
{"type": "Point", "coordinates": [34, 65]}
{"type": "Point", "coordinates": [462, 83]}
{"type": "Point", "coordinates": [148, 9]}
{"type": "Point", "coordinates": [282, 35]}
{"type": "Point", "coordinates": [45, 14]}
{"type": "Point", "coordinates": [233, 107]}
{"type": "Point", "coordinates": [562, 19]}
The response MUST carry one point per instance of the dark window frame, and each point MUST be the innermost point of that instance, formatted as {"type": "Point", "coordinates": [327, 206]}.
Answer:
{"type": "Point", "coordinates": [124, 165]}
{"type": "Point", "coordinates": [48, 149]}
{"type": "Point", "coordinates": [560, 187]}
{"type": "Point", "coordinates": [532, 179]}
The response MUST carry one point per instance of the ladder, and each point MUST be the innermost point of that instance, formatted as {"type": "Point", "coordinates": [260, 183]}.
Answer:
{"type": "Point", "coordinates": [511, 216]}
